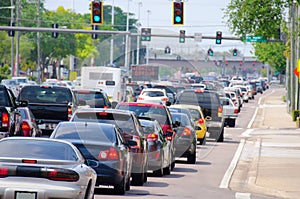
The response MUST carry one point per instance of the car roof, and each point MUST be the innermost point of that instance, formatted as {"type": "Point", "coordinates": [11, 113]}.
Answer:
{"type": "Point", "coordinates": [107, 110]}
{"type": "Point", "coordinates": [141, 104]}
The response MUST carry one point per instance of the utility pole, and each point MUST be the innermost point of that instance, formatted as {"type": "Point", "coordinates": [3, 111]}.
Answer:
{"type": "Point", "coordinates": [126, 40]}
{"type": "Point", "coordinates": [112, 36]}
{"type": "Point", "coordinates": [138, 37]}
{"type": "Point", "coordinates": [16, 67]}
{"type": "Point", "coordinates": [39, 68]}
{"type": "Point", "coordinates": [12, 38]}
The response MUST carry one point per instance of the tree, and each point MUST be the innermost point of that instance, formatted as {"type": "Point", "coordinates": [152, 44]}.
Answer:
{"type": "Point", "coordinates": [260, 18]}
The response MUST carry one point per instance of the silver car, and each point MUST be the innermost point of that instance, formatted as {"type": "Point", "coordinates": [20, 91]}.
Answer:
{"type": "Point", "coordinates": [43, 168]}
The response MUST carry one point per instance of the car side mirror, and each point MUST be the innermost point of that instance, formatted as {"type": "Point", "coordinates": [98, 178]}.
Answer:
{"type": "Point", "coordinates": [131, 143]}
{"type": "Point", "coordinates": [22, 103]}
{"type": "Point", "coordinates": [92, 163]}
{"type": "Point", "coordinates": [208, 118]}
{"type": "Point", "coordinates": [168, 103]}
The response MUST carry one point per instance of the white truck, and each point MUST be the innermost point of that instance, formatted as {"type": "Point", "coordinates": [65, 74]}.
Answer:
{"type": "Point", "coordinates": [110, 80]}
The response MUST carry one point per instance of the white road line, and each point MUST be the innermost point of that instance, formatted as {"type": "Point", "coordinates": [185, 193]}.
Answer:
{"type": "Point", "coordinates": [227, 176]}
{"type": "Point", "coordinates": [253, 118]}
{"type": "Point", "coordinates": [247, 133]}
{"type": "Point", "coordinates": [242, 195]}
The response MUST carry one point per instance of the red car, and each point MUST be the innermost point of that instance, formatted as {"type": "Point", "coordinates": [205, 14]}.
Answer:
{"type": "Point", "coordinates": [29, 125]}
{"type": "Point", "coordinates": [158, 112]}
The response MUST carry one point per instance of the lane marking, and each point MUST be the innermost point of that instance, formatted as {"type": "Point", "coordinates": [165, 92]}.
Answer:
{"type": "Point", "coordinates": [227, 176]}
{"type": "Point", "coordinates": [242, 195]}
{"type": "Point", "coordinates": [253, 118]}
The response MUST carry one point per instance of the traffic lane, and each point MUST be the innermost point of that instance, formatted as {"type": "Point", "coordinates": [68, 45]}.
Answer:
{"type": "Point", "coordinates": [188, 181]}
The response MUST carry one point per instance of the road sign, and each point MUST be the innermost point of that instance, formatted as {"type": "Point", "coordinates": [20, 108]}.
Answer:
{"type": "Point", "coordinates": [198, 36]}
{"type": "Point", "coordinates": [254, 38]}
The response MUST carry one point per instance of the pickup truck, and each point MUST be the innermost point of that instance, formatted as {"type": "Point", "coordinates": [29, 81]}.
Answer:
{"type": "Point", "coordinates": [230, 111]}
{"type": "Point", "coordinates": [10, 117]}
{"type": "Point", "coordinates": [49, 104]}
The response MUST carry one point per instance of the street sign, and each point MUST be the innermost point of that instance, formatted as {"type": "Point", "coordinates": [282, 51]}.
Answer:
{"type": "Point", "coordinates": [198, 36]}
{"type": "Point", "coordinates": [254, 38]}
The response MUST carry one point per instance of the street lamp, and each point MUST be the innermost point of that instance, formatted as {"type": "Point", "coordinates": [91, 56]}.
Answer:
{"type": "Point", "coordinates": [138, 25]}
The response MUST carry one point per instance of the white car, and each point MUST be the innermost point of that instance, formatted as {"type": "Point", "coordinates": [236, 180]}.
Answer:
{"type": "Point", "coordinates": [153, 95]}
{"type": "Point", "coordinates": [43, 168]}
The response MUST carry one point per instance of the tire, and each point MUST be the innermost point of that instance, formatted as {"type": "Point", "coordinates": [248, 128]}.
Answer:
{"type": "Point", "coordinates": [221, 137]}
{"type": "Point", "coordinates": [159, 172]}
{"type": "Point", "coordinates": [88, 193]}
{"type": "Point", "coordinates": [232, 123]}
{"type": "Point", "coordinates": [145, 176]}
{"type": "Point", "coordinates": [203, 140]}
{"type": "Point", "coordinates": [119, 189]}
{"type": "Point", "coordinates": [127, 186]}
{"type": "Point", "coordinates": [137, 179]}
{"type": "Point", "coordinates": [167, 170]}
{"type": "Point", "coordinates": [172, 165]}
{"type": "Point", "coordinates": [192, 158]}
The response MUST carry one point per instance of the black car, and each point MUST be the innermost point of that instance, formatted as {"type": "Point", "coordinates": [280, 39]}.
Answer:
{"type": "Point", "coordinates": [131, 129]}
{"type": "Point", "coordinates": [186, 140]}
{"type": "Point", "coordinates": [211, 106]}
{"type": "Point", "coordinates": [102, 143]}
{"type": "Point", "coordinates": [94, 98]}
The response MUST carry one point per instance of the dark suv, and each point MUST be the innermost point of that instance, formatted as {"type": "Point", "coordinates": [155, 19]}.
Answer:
{"type": "Point", "coordinates": [94, 98]}
{"type": "Point", "coordinates": [211, 106]}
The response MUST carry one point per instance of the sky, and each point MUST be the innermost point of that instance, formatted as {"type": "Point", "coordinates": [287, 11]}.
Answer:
{"type": "Point", "coordinates": [201, 16]}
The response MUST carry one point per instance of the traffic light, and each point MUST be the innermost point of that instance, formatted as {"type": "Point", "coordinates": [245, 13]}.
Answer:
{"type": "Point", "coordinates": [178, 13]}
{"type": "Point", "coordinates": [218, 37]}
{"type": "Point", "coordinates": [182, 36]}
{"type": "Point", "coordinates": [55, 34]}
{"type": "Point", "coordinates": [146, 34]}
{"type": "Point", "coordinates": [11, 33]}
{"type": "Point", "coordinates": [235, 52]}
{"type": "Point", "coordinates": [210, 52]}
{"type": "Point", "coordinates": [167, 50]}
{"type": "Point", "coordinates": [94, 35]}
{"type": "Point", "coordinates": [97, 12]}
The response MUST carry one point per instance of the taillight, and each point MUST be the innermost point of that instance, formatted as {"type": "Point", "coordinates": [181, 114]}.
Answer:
{"type": "Point", "coordinates": [5, 119]}
{"type": "Point", "coordinates": [201, 121]}
{"type": "Point", "coordinates": [70, 112]}
{"type": "Point", "coordinates": [152, 137]}
{"type": "Point", "coordinates": [220, 110]}
{"type": "Point", "coordinates": [236, 111]}
{"type": "Point", "coordinates": [111, 154]}
{"type": "Point", "coordinates": [29, 161]}
{"type": "Point", "coordinates": [186, 132]}
{"type": "Point", "coordinates": [140, 98]}
{"type": "Point", "coordinates": [3, 172]}
{"type": "Point", "coordinates": [26, 129]}
{"type": "Point", "coordinates": [165, 99]}
{"type": "Point", "coordinates": [61, 174]}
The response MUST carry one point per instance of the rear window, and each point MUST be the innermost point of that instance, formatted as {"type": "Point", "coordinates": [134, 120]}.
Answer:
{"type": "Point", "coordinates": [158, 113]}
{"type": "Point", "coordinates": [4, 100]}
{"type": "Point", "coordinates": [37, 149]}
{"type": "Point", "coordinates": [192, 97]}
{"type": "Point", "coordinates": [85, 131]}
{"type": "Point", "coordinates": [123, 121]}
{"type": "Point", "coordinates": [153, 93]}
{"type": "Point", "coordinates": [45, 94]}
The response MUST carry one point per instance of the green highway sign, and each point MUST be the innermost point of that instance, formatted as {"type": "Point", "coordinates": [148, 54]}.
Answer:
{"type": "Point", "coordinates": [254, 38]}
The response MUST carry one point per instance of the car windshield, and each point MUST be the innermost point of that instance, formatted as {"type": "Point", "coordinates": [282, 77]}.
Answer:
{"type": "Point", "coordinates": [37, 149]}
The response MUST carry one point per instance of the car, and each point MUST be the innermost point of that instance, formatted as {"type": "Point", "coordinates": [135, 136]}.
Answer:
{"type": "Point", "coordinates": [186, 141]}
{"type": "Point", "coordinates": [170, 90]}
{"type": "Point", "coordinates": [30, 126]}
{"type": "Point", "coordinates": [159, 149]}
{"type": "Point", "coordinates": [32, 167]}
{"type": "Point", "coordinates": [230, 111]}
{"type": "Point", "coordinates": [198, 119]}
{"type": "Point", "coordinates": [131, 129]}
{"type": "Point", "coordinates": [153, 95]}
{"type": "Point", "coordinates": [209, 101]}
{"type": "Point", "coordinates": [104, 144]}
{"type": "Point", "coordinates": [94, 98]}
{"type": "Point", "coordinates": [156, 111]}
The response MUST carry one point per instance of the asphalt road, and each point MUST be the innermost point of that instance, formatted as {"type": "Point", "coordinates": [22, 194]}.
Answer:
{"type": "Point", "coordinates": [208, 178]}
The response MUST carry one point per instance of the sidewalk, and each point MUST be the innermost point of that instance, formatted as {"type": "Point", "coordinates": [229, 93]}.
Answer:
{"type": "Point", "coordinates": [270, 160]}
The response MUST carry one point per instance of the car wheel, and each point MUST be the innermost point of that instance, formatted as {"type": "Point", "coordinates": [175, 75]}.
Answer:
{"type": "Point", "coordinates": [119, 189]}
{"type": "Point", "coordinates": [232, 123]}
{"type": "Point", "coordinates": [89, 194]}
{"type": "Point", "coordinates": [203, 140]}
{"type": "Point", "coordinates": [159, 172]}
{"type": "Point", "coordinates": [192, 158]}
{"type": "Point", "coordinates": [127, 188]}
{"type": "Point", "coordinates": [221, 137]}
{"type": "Point", "coordinates": [137, 179]}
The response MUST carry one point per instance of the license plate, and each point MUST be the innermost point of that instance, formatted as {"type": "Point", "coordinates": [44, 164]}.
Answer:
{"type": "Point", "coordinates": [25, 195]}
{"type": "Point", "coordinates": [50, 126]}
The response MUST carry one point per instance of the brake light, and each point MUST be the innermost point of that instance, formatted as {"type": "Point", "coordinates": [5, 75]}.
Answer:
{"type": "Point", "coordinates": [26, 129]}
{"type": "Point", "coordinates": [5, 119]}
{"type": "Point", "coordinates": [70, 112]}
{"type": "Point", "coordinates": [61, 175]}
{"type": "Point", "coordinates": [3, 172]}
{"type": "Point", "coordinates": [236, 111]}
{"type": "Point", "coordinates": [111, 154]}
{"type": "Point", "coordinates": [29, 161]}
{"type": "Point", "coordinates": [220, 110]}
{"type": "Point", "coordinates": [201, 121]}
{"type": "Point", "coordinates": [199, 91]}
{"type": "Point", "coordinates": [165, 99]}
{"type": "Point", "coordinates": [103, 113]}
{"type": "Point", "coordinates": [186, 132]}
{"type": "Point", "coordinates": [140, 98]}
{"type": "Point", "coordinates": [152, 137]}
